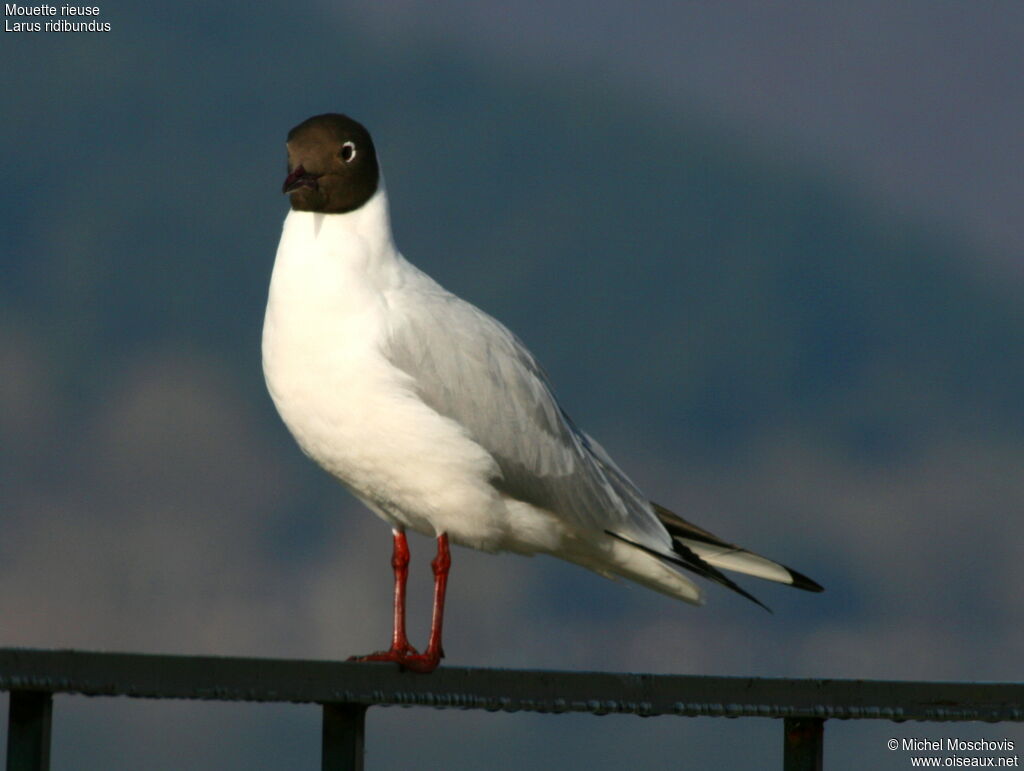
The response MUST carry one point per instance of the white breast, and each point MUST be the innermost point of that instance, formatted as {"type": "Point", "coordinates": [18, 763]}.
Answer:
{"type": "Point", "coordinates": [338, 283]}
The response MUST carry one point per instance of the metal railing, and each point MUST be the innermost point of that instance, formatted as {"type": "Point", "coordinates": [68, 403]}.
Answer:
{"type": "Point", "coordinates": [346, 690]}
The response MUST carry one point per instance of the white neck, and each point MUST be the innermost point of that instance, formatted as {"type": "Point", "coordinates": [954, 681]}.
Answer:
{"type": "Point", "coordinates": [330, 266]}
{"type": "Point", "coordinates": [365, 232]}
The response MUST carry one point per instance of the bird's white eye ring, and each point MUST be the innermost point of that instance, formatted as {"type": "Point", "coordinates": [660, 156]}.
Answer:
{"type": "Point", "coordinates": [348, 152]}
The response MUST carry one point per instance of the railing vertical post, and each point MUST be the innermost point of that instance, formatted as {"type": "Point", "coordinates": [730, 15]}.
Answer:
{"type": "Point", "coordinates": [343, 729]}
{"type": "Point", "coordinates": [805, 740]}
{"type": "Point", "coordinates": [28, 731]}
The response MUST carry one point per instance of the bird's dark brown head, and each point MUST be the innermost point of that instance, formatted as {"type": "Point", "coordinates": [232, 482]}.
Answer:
{"type": "Point", "coordinates": [332, 165]}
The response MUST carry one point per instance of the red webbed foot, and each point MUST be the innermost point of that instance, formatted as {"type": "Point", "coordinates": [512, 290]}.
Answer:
{"type": "Point", "coordinates": [408, 658]}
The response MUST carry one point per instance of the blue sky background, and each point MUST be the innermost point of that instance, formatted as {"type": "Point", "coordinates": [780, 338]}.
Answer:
{"type": "Point", "coordinates": [769, 255]}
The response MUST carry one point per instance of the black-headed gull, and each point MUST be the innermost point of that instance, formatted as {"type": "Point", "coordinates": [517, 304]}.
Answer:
{"type": "Point", "coordinates": [434, 414]}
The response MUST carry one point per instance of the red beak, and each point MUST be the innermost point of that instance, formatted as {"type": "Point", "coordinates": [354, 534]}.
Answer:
{"type": "Point", "coordinates": [299, 178]}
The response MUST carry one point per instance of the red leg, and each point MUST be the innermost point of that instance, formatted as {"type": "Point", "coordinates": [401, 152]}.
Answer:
{"type": "Point", "coordinates": [428, 661]}
{"type": "Point", "coordinates": [400, 564]}
{"type": "Point", "coordinates": [401, 652]}
{"type": "Point", "coordinates": [399, 642]}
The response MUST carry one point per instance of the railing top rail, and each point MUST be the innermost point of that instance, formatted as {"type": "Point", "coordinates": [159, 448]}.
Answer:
{"type": "Point", "coordinates": [283, 680]}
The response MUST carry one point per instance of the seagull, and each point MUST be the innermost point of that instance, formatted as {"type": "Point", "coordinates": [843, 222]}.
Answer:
{"type": "Point", "coordinates": [436, 416]}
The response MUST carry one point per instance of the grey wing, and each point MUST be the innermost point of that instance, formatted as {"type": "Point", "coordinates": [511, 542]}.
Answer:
{"type": "Point", "coordinates": [471, 369]}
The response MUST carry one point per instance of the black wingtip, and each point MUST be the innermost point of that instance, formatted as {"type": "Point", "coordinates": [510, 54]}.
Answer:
{"type": "Point", "coordinates": [744, 593]}
{"type": "Point", "coordinates": [679, 528]}
{"type": "Point", "coordinates": [686, 558]}
{"type": "Point", "coordinates": [800, 581]}
{"type": "Point", "coordinates": [729, 583]}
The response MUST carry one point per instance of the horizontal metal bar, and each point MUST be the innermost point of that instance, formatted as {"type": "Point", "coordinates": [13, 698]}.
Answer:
{"type": "Point", "coordinates": [281, 680]}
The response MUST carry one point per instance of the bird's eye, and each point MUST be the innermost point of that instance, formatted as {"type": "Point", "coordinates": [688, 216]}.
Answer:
{"type": "Point", "coordinates": [348, 152]}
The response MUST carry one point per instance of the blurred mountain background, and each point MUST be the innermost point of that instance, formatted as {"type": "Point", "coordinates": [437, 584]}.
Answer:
{"type": "Point", "coordinates": [770, 258]}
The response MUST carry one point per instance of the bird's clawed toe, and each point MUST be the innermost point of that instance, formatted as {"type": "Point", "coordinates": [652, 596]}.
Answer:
{"type": "Point", "coordinates": [407, 658]}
